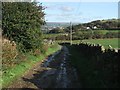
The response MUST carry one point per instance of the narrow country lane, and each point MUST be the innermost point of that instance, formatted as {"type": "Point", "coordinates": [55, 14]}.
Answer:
{"type": "Point", "coordinates": [54, 72]}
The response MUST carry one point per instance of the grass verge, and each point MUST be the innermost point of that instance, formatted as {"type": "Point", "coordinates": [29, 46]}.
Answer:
{"type": "Point", "coordinates": [17, 71]}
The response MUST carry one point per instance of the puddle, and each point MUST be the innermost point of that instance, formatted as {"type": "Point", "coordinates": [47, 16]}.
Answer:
{"type": "Point", "coordinates": [46, 63]}
{"type": "Point", "coordinates": [62, 79]}
{"type": "Point", "coordinates": [64, 75]}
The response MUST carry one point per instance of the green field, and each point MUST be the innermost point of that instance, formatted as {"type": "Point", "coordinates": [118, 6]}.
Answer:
{"type": "Point", "coordinates": [105, 42]}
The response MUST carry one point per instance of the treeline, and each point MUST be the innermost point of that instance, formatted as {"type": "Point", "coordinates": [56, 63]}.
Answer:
{"type": "Point", "coordinates": [97, 67]}
{"type": "Point", "coordinates": [85, 34]}
{"type": "Point", "coordinates": [95, 34]}
{"type": "Point", "coordinates": [21, 22]}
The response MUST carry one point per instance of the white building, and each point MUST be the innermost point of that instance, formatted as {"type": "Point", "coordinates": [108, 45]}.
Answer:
{"type": "Point", "coordinates": [88, 28]}
{"type": "Point", "coordinates": [94, 27]}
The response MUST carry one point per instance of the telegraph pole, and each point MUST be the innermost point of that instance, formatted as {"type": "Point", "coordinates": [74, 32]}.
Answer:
{"type": "Point", "coordinates": [70, 33]}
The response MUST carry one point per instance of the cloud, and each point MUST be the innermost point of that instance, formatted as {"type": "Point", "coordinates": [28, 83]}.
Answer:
{"type": "Point", "coordinates": [59, 15]}
{"type": "Point", "coordinates": [66, 8]}
{"type": "Point", "coordinates": [66, 17]}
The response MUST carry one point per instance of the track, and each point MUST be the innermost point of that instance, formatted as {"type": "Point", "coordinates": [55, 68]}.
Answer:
{"type": "Point", "coordinates": [54, 72]}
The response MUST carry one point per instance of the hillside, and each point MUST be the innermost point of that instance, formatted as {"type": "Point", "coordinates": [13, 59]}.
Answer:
{"type": "Point", "coordinates": [110, 24]}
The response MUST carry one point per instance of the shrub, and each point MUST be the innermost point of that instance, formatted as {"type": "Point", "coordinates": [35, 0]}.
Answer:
{"type": "Point", "coordinates": [111, 35]}
{"type": "Point", "coordinates": [21, 22]}
{"type": "Point", "coordinates": [98, 34]}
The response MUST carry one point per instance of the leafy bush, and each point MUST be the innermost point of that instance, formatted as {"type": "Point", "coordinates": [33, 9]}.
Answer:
{"type": "Point", "coordinates": [98, 34]}
{"type": "Point", "coordinates": [21, 22]}
{"type": "Point", "coordinates": [111, 35]}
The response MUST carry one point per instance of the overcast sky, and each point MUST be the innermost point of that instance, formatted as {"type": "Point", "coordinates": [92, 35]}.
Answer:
{"type": "Point", "coordinates": [80, 11]}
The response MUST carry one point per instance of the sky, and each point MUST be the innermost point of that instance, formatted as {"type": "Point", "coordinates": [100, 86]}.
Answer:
{"type": "Point", "coordinates": [79, 11]}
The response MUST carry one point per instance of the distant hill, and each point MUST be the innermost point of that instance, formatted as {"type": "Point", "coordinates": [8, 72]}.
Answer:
{"type": "Point", "coordinates": [62, 24]}
{"type": "Point", "coordinates": [51, 25]}
{"type": "Point", "coordinates": [56, 24]}
{"type": "Point", "coordinates": [110, 24]}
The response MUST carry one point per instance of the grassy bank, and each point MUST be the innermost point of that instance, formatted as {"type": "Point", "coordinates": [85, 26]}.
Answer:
{"type": "Point", "coordinates": [10, 75]}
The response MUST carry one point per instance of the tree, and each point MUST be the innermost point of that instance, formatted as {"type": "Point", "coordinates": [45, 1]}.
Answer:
{"type": "Point", "coordinates": [98, 34]}
{"type": "Point", "coordinates": [21, 23]}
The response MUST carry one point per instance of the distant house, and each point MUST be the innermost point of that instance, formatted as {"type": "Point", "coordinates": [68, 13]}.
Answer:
{"type": "Point", "coordinates": [94, 27]}
{"type": "Point", "coordinates": [87, 28]}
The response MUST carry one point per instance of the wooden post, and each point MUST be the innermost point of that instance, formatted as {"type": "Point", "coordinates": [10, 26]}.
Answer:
{"type": "Point", "coordinates": [70, 33]}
